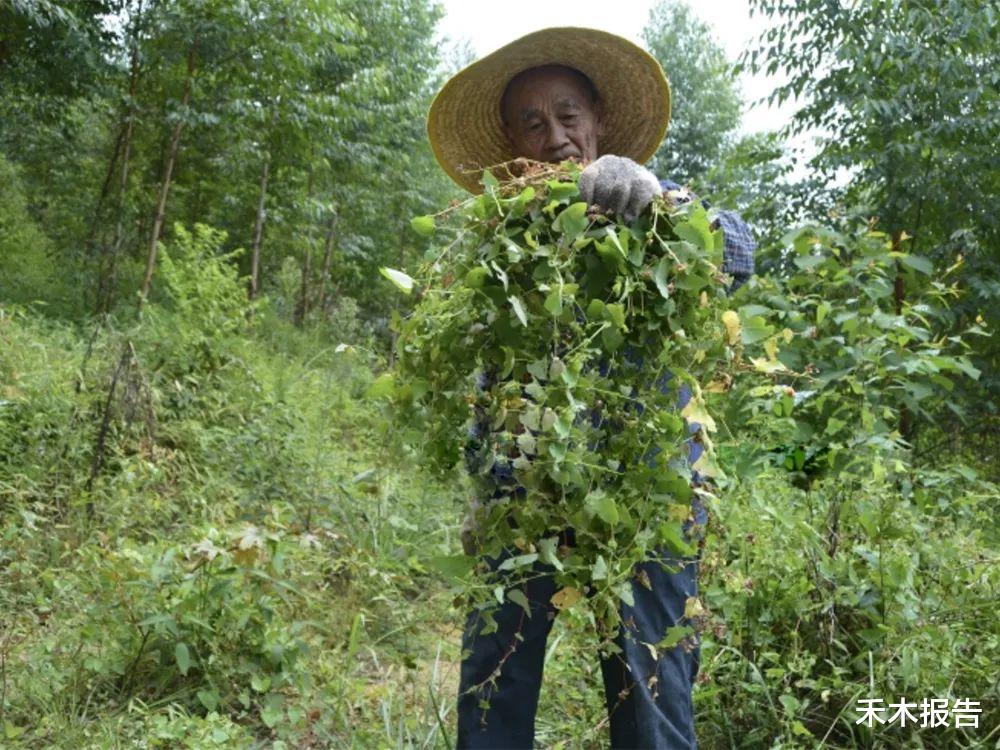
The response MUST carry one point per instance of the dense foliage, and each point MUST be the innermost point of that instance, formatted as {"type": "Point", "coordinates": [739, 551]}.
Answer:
{"type": "Point", "coordinates": [210, 537]}
{"type": "Point", "coordinates": [265, 120]}
{"type": "Point", "coordinates": [904, 98]}
{"type": "Point", "coordinates": [577, 318]}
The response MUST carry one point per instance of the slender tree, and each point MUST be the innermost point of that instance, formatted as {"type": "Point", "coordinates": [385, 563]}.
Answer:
{"type": "Point", "coordinates": [705, 103]}
{"type": "Point", "coordinates": [906, 97]}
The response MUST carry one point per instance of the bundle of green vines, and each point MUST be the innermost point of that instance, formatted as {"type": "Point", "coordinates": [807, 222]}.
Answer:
{"type": "Point", "coordinates": [536, 354]}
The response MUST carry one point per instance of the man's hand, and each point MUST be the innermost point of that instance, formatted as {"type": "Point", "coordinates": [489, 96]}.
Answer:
{"type": "Point", "coordinates": [616, 183]}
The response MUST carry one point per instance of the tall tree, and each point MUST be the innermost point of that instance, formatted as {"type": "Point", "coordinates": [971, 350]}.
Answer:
{"type": "Point", "coordinates": [906, 96]}
{"type": "Point", "coordinates": [705, 102]}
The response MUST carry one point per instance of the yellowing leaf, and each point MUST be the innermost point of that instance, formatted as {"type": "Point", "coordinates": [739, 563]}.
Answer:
{"type": "Point", "coordinates": [678, 512]}
{"type": "Point", "coordinates": [771, 347]}
{"type": "Point", "coordinates": [566, 597]}
{"type": "Point", "coordinates": [693, 607]}
{"type": "Point", "coordinates": [695, 412]}
{"type": "Point", "coordinates": [720, 385]}
{"type": "Point", "coordinates": [732, 323]}
{"type": "Point", "coordinates": [245, 556]}
{"type": "Point", "coordinates": [768, 365]}
{"type": "Point", "coordinates": [706, 465]}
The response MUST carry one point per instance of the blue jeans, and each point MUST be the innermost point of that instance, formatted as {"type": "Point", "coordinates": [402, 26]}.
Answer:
{"type": "Point", "coordinates": [644, 712]}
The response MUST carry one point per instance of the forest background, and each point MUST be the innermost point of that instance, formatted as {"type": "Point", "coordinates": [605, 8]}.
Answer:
{"type": "Point", "coordinates": [209, 535]}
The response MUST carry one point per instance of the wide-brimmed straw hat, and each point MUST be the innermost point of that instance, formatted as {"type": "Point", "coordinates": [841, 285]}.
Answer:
{"type": "Point", "coordinates": [464, 125]}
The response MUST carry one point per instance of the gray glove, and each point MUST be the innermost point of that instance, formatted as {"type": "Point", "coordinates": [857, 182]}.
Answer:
{"type": "Point", "coordinates": [616, 183]}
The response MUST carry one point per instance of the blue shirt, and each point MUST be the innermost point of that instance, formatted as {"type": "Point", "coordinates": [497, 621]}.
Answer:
{"type": "Point", "coordinates": [738, 246]}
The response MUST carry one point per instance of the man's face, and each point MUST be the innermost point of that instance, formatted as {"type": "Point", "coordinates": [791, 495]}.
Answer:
{"type": "Point", "coordinates": [549, 116]}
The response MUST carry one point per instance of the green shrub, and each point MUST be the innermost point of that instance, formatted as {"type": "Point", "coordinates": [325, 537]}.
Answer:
{"type": "Point", "coordinates": [27, 271]}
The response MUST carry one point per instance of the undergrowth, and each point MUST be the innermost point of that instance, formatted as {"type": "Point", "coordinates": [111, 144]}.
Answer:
{"type": "Point", "coordinates": [209, 540]}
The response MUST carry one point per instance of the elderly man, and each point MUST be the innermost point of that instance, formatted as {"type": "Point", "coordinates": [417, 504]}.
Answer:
{"type": "Point", "coordinates": [586, 95]}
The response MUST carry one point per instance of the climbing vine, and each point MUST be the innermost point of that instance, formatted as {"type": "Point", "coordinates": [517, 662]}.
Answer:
{"type": "Point", "coordinates": [565, 355]}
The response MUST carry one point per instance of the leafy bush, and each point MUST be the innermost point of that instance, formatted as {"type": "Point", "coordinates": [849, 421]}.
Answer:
{"type": "Point", "coordinates": [27, 273]}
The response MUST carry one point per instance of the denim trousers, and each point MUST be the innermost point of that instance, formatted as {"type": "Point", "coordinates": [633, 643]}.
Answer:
{"type": "Point", "coordinates": [648, 701]}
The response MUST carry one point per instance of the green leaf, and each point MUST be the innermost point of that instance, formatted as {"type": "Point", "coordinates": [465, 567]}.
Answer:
{"type": "Point", "coordinates": [553, 302]}
{"type": "Point", "coordinates": [917, 263]}
{"type": "Point", "coordinates": [697, 233]}
{"type": "Point", "coordinates": [518, 597]}
{"type": "Point", "coordinates": [615, 242]}
{"type": "Point", "coordinates": [452, 566]}
{"type": "Point", "coordinates": [531, 418]}
{"type": "Point", "coordinates": [616, 314]}
{"type": "Point", "coordinates": [476, 277]}
{"type": "Point", "coordinates": [547, 552]}
{"type": "Point", "coordinates": [557, 451]}
{"type": "Point", "coordinates": [755, 329]}
{"type": "Point", "coordinates": [790, 702]}
{"type": "Point", "coordinates": [963, 364]}
{"type": "Point", "coordinates": [383, 385]}
{"type": "Point", "coordinates": [518, 561]}
{"type": "Point", "coordinates": [272, 712]}
{"type": "Point", "coordinates": [572, 220]}
{"type": "Point", "coordinates": [539, 369]}
{"type": "Point", "coordinates": [563, 425]}
{"type": "Point", "coordinates": [423, 225]}
{"type": "Point", "coordinates": [674, 635]}
{"type": "Point", "coordinates": [183, 657]}
{"type": "Point", "coordinates": [518, 307]}
{"type": "Point", "coordinates": [603, 506]}
{"type": "Point", "coordinates": [488, 180]}
{"type": "Point", "coordinates": [807, 262]}
{"type": "Point", "coordinates": [209, 699]}
{"type": "Point", "coordinates": [403, 281]}
{"type": "Point", "coordinates": [562, 190]}
{"type": "Point", "coordinates": [612, 339]}
{"type": "Point", "coordinates": [660, 276]}
{"type": "Point", "coordinates": [625, 593]}
{"type": "Point", "coordinates": [599, 570]}
{"type": "Point", "coordinates": [670, 534]}
{"type": "Point", "coordinates": [12, 732]}
{"type": "Point", "coordinates": [508, 362]}
{"type": "Point", "coordinates": [691, 282]}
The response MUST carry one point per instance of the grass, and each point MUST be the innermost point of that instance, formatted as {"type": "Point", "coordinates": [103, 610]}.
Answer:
{"type": "Point", "coordinates": [267, 523]}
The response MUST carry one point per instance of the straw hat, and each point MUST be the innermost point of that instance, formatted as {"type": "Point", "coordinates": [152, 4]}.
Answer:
{"type": "Point", "coordinates": [464, 125]}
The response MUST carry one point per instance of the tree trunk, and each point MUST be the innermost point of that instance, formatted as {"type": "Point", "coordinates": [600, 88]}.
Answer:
{"type": "Point", "coordinates": [905, 418]}
{"type": "Point", "coordinates": [302, 308]}
{"type": "Point", "coordinates": [258, 229]}
{"type": "Point", "coordinates": [109, 274]}
{"type": "Point", "coordinates": [327, 259]}
{"type": "Point", "coordinates": [168, 168]}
